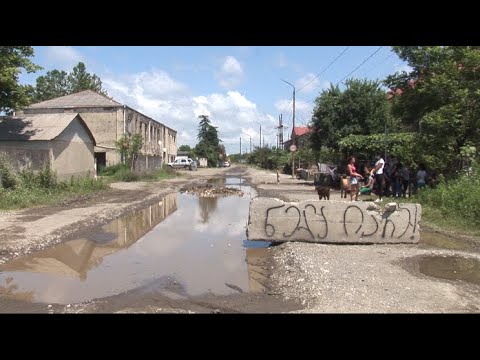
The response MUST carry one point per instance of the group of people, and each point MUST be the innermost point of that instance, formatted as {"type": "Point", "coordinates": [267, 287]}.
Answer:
{"type": "Point", "coordinates": [384, 180]}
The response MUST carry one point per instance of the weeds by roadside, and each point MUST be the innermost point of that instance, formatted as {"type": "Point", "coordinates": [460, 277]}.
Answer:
{"type": "Point", "coordinates": [453, 205]}
{"type": "Point", "coordinates": [27, 188]}
{"type": "Point", "coordinates": [122, 172]}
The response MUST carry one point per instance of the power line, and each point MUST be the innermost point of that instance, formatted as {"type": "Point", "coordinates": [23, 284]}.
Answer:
{"type": "Point", "coordinates": [343, 52]}
{"type": "Point", "coordinates": [375, 66]}
{"type": "Point", "coordinates": [351, 72]}
{"type": "Point", "coordinates": [363, 62]}
{"type": "Point", "coordinates": [325, 69]}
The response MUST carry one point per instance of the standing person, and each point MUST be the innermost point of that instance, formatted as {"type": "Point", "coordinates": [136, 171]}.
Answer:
{"type": "Point", "coordinates": [421, 176]}
{"type": "Point", "coordinates": [354, 176]}
{"type": "Point", "coordinates": [405, 180]}
{"type": "Point", "coordinates": [379, 178]}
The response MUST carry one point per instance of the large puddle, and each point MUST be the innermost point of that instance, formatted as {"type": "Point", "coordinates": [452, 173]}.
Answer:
{"type": "Point", "coordinates": [449, 267]}
{"type": "Point", "coordinates": [198, 242]}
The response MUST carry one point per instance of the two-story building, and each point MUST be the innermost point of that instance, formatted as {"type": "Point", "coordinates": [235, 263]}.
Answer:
{"type": "Point", "coordinates": [108, 120]}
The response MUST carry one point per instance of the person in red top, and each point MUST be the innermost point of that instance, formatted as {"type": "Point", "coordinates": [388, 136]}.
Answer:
{"type": "Point", "coordinates": [354, 176]}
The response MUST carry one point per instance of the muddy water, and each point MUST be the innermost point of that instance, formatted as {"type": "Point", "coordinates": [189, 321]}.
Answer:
{"type": "Point", "coordinates": [449, 267]}
{"type": "Point", "coordinates": [198, 243]}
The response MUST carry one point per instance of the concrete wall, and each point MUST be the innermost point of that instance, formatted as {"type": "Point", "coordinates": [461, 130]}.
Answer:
{"type": "Point", "coordinates": [107, 125]}
{"type": "Point", "coordinates": [27, 154]}
{"type": "Point", "coordinates": [333, 221]}
{"type": "Point", "coordinates": [73, 152]}
{"type": "Point", "coordinates": [148, 163]}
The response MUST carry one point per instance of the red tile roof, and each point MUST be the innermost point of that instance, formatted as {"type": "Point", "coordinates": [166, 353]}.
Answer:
{"type": "Point", "coordinates": [301, 130]}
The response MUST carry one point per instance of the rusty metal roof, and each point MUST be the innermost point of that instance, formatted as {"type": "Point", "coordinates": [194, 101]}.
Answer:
{"type": "Point", "coordinates": [37, 126]}
{"type": "Point", "coordinates": [87, 98]}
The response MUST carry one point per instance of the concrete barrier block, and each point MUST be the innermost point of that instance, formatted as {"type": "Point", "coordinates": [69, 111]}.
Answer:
{"type": "Point", "coordinates": [333, 221]}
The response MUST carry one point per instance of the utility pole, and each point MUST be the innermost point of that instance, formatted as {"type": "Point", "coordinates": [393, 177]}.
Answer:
{"type": "Point", "coordinates": [385, 159]}
{"type": "Point", "coordinates": [293, 130]}
{"type": "Point", "coordinates": [250, 144]}
{"type": "Point", "coordinates": [240, 146]}
{"type": "Point", "coordinates": [280, 133]}
{"type": "Point", "coordinates": [260, 146]}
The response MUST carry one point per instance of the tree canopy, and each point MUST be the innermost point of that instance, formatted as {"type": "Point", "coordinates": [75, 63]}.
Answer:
{"type": "Point", "coordinates": [360, 109]}
{"type": "Point", "coordinates": [440, 98]}
{"type": "Point", "coordinates": [12, 60]}
{"type": "Point", "coordinates": [58, 83]}
{"type": "Point", "coordinates": [209, 145]}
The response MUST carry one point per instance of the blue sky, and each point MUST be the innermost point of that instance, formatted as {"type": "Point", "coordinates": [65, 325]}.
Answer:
{"type": "Point", "coordinates": [237, 87]}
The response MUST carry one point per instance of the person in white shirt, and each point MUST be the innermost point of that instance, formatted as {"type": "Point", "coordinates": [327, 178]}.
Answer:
{"type": "Point", "coordinates": [379, 179]}
{"type": "Point", "coordinates": [421, 176]}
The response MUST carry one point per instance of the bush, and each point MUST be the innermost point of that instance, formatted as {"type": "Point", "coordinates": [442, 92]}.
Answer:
{"type": "Point", "coordinates": [124, 174]}
{"type": "Point", "coordinates": [456, 200]}
{"type": "Point", "coordinates": [47, 178]}
{"type": "Point", "coordinates": [112, 170]}
{"type": "Point", "coordinates": [8, 176]}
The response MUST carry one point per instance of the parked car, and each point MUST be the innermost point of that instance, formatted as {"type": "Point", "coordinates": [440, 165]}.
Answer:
{"type": "Point", "coordinates": [183, 163]}
{"type": "Point", "coordinates": [226, 163]}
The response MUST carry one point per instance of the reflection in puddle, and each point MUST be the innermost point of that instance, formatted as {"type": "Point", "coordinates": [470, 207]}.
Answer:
{"type": "Point", "coordinates": [449, 267]}
{"type": "Point", "coordinates": [198, 242]}
{"type": "Point", "coordinates": [257, 272]}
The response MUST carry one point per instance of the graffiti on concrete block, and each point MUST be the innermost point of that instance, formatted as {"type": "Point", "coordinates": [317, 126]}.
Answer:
{"type": "Point", "coordinates": [356, 221]}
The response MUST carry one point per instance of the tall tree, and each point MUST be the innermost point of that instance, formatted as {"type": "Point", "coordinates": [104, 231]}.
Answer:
{"type": "Point", "coordinates": [440, 98]}
{"type": "Point", "coordinates": [12, 60]}
{"type": "Point", "coordinates": [58, 83]}
{"type": "Point", "coordinates": [79, 79]}
{"type": "Point", "coordinates": [361, 109]}
{"type": "Point", "coordinates": [209, 143]}
{"type": "Point", "coordinates": [52, 85]}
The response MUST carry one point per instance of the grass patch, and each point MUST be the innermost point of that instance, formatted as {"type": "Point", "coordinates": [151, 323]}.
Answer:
{"type": "Point", "coordinates": [24, 197]}
{"type": "Point", "coordinates": [452, 205]}
{"type": "Point", "coordinates": [121, 172]}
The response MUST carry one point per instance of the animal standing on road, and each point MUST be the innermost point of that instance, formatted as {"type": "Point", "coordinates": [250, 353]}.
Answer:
{"type": "Point", "coordinates": [323, 192]}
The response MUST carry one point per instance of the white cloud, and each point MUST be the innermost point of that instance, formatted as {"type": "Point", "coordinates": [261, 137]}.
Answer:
{"type": "Point", "coordinates": [63, 57]}
{"type": "Point", "coordinates": [310, 83]}
{"type": "Point", "coordinates": [303, 111]}
{"type": "Point", "coordinates": [158, 95]}
{"type": "Point", "coordinates": [402, 67]}
{"type": "Point", "coordinates": [231, 73]}
{"type": "Point", "coordinates": [235, 116]}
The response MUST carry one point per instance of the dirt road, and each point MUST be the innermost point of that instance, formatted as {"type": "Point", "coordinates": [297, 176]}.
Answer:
{"type": "Point", "coordinates": [440, 274]}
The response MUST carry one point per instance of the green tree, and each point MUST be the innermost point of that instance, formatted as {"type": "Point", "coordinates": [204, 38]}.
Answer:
{"type": "Point", "coordinates": [185, 148]}
{"type": "Point", "coordinates": [129, 147]}
{"type": "Point", "coordinates": [79, 80]}
{"type": "Point", "coordinates": [53, 84]}
{"type": "Point", "coordinates": [209, 144]}
{"type": "Point", "coordinates": [361, 109]}
{"type": "Point", "coordinates": [58, 83]}
{"type": "Point", "coordinates": [12, 60]}
{"type": "Point", "coordinates": [440, 99]}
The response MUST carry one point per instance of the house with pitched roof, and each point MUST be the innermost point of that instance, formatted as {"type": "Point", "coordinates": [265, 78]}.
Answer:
{"type": "Point", "coordinates": [299, 133]}
{"type": "Point", "coordinates": [108, 120]}
{"type": "Point", "coordinates": [60, 141]}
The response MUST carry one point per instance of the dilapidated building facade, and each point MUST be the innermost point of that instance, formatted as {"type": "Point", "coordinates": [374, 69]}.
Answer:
{"type": "Point", "coordinates": [108, 120]}
{"type": "Point", "coordinates": [62, 142]}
